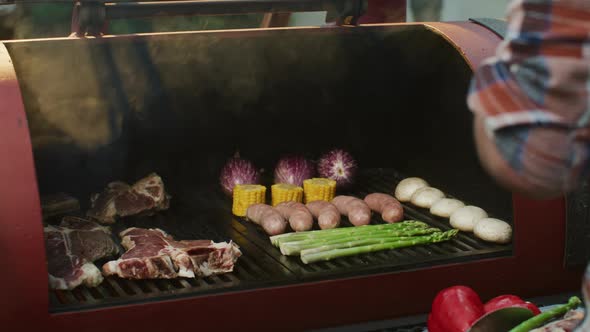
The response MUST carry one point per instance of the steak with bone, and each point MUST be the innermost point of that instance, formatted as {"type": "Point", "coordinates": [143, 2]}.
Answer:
{"type": "Point", "coordinates": [151, 253]}
{"type": "Point", "coordinates": [72, 247]}
{"type": "Point", "coordinates": [118, 199]}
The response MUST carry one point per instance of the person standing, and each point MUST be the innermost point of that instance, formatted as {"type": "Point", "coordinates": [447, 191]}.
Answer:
{"type": "Point", "coordinates": [532, 103]}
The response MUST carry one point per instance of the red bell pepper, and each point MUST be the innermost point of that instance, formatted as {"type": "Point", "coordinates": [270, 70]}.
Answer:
{"type": "Point", "coordinates": [455, 309]}
{"type": "Point", "coordinates": [504, 301]}
{"type": "Point", "coordinates": [530, 306]}
{"type": "Point", "coordinates": [501, 301]}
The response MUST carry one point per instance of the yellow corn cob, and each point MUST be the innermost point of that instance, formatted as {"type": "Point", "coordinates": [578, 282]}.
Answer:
{"type": "Point", "coordinates": [246, 195]}
{"type": "Point", "coordinates": [319, 189]}
{"type": "Point", "coordinates": [283, 192]}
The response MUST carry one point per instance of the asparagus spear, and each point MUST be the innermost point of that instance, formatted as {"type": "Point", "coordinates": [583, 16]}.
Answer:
{"type": "Point", "coordinates": [275, 240]}
{"type": "Point", "coordinates": [546, 316]}
{"type": "Point", "coordinates": [406, 223]}
{"type": "Point", "coordinates": [384, 233]}
{"type": "Point", "coordinates": [358, 243]}
{"type": "Point", "coordinates": [353, 233]}
{"type": "Point", "coordinates": [336, 253]}
{"type": "Point", "coordinates": [293, 248]}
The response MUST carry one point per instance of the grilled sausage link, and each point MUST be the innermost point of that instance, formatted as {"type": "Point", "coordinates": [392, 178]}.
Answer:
{"type": "Point", "coordinates": [390, 208]}
{"type": "Point", "coordinates": [268, 218]}
{"type": "Point", "coordinates": [298, 215]}
{"type": "Point", "coordinates": [357, 211]}
{"type": "Point", "coordinates": [326, 213]}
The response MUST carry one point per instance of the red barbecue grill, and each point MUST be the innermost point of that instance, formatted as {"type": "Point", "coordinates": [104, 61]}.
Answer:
{"type": "Point", "coordinates": [76, 114]}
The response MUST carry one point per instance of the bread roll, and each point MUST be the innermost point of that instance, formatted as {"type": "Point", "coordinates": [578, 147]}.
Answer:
{"type": "Point", "coordinates": [426, 197]}
{"type": "Point", "coordinates": [493, 230]}
{"type": "Point", "coordinates": [407, 187]}
{"type": "Point", "coordinates": [465, 218]}
{"type": "Point", "coordinates": [445, 207]}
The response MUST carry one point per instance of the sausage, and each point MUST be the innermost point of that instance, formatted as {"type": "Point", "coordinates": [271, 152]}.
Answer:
{"type": "Point", "coordinates": [298, 215]}
{"type": "Point", "coordinates": [390, 208]}
{"type": "Point", "coordinates": [357, 211]}
{"type": "Point", "coordinates": [268, 218]}
{"type": "Point", "coordinates": [326, 213]}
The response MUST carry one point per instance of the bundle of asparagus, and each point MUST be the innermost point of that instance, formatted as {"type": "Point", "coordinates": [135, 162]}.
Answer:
{"type": "Point", "coordinates": [324, 245]}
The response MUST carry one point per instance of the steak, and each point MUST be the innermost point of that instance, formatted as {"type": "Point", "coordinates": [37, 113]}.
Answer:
{"type": "Point", "coordinates": [72, 247]}
{"type": "Point", "coordinates": [151, 253]}
{"type": "Point", "coordinates": [147, 196]}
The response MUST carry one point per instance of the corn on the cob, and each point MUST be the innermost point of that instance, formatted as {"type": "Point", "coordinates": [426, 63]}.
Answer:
{"type": "Point", "coordinates": [246, 195]}
{"type": "Point", "coordinates": [283, 192]}
{"type": "Point", "coordinates": [317, 189]}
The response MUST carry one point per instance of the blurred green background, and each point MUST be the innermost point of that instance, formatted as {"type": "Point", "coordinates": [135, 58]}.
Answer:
{"type": "Point", "coordinates": [43, 19]}
{"type": "Point", "coordinates": [40, 20]}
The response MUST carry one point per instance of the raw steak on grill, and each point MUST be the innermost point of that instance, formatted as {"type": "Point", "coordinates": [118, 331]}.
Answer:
{"type": "Point", "coordinates": [146, 196]}
{"type": "Point", "coordinates": [151, 253]}
{"type": "Point", "coordinates": [72, 247]}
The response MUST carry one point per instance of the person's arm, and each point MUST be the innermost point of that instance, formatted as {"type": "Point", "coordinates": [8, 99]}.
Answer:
{"type": "Point", "coordinates": [513, 161]}
{"type": "Point", "coordinates": [531, 102]}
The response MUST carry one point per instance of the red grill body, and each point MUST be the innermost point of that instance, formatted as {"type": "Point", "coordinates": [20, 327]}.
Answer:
{"type": "Point", "coordinates": [536, 266]}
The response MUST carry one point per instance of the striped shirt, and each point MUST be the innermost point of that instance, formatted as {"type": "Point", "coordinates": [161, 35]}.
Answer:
{"type": "Point", "coordinates": [534, 94]}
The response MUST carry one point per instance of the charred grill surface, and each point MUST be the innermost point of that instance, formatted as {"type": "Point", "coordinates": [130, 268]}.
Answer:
{"type": "Point", "coordinates": [206, 214]}
{"type": "Point", "coordinates": [253, 269]}
{"type": "Point", "coordinates": [463, 247]}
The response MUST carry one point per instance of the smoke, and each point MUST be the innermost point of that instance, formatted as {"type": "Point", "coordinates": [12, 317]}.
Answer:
{"type": "Point", "coordinates": [61, 95]}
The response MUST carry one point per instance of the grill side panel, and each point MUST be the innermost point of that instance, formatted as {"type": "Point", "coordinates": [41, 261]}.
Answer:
{"type": "Point", "coordinates": [24, 275]}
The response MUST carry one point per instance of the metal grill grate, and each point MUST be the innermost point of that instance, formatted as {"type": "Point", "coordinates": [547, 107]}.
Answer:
{"type": "Point", "coordinates": [253, 269]}
{"type": "Point", "coordinates": [208, 216]}
{"type": "Point", "coordinates": [462, 248]}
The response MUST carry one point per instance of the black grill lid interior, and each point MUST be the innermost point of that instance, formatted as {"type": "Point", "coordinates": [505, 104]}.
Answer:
{"type": "Point", "coordinates": [180, 104]}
